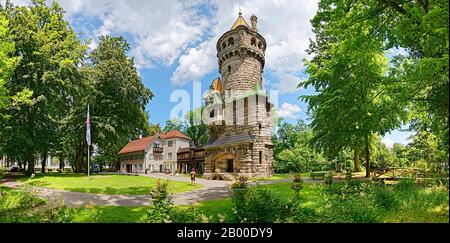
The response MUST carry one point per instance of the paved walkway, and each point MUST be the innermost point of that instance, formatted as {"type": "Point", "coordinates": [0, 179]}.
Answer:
{"type": "Point", "coordinates": [211, 190]}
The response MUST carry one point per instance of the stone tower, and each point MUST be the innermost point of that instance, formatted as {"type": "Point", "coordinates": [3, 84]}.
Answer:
{"type": "Point", "coordinates": [237, 110]}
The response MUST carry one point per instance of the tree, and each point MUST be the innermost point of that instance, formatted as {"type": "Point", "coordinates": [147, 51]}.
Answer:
{"type": "Point", "coordinates": [49, 53]}
{"type": "Point", "coordinates": [195, 128]}
{"type": "Point", "coordinates": [174, 124]}
{"type": "Point", "coordinates": [419, 27]}
{"type": "Point", "coordinates": [153, 129]}
{"type": "Point", "coordinates": [293, 151]}
{"type": "Point", "coordinates": [117, 98]}
{"type": "Point", "coordinates": [354, 95]}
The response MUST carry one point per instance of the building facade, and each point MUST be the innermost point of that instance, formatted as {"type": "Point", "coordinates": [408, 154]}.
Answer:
{"type": "Point", "coordinates": [191, 158]}
{"type": "Point", "coordinates": [238, 111]}
{"type": "Point", "coordinates": [153, 154]}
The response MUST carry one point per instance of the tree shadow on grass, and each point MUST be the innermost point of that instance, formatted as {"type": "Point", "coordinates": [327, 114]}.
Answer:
{"type": "Point", "coordinates": [114, 191]}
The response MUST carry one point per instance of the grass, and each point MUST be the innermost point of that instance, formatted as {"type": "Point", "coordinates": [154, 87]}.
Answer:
{"type": "Point", "coordinates": [105, 184]}
{"type": "Point", "coordinates": [340, 203]}
{"type": "Point", "coordinates": [275, 177]}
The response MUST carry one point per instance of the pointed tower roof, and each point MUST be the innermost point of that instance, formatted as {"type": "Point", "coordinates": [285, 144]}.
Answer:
{"type": "Point", "coordinates": [240, 22]}
{"type": "Point", "coordinates": [217, 85]}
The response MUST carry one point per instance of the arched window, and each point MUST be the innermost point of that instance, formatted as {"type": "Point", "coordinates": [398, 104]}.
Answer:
{"type": "Point", "coordinates": [253, 43]}
{"type": "Point", "coordinates": [260, 45]}
{"type": "Point", "coordinates": [229, 69]}
{"type": "Point", "coordinates": [231, 42]}
{"type": "Point", "coordinates": [212, 114]}
{"type": "Point", "coordinates": [224, 45]}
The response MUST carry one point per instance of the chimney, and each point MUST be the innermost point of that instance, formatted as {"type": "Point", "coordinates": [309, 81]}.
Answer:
{"type": "Point", "coordinates": [254, 21]}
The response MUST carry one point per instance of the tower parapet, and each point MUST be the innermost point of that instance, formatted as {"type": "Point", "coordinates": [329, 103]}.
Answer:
{"type": "Point", "coordinates": [241, 54]}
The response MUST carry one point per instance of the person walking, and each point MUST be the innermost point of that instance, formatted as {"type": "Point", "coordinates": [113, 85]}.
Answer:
{"type": "Point", "coordinates": [193, 174]}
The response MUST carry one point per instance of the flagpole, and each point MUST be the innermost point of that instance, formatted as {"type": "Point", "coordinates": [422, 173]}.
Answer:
{"type": "Point", "coordinates": [89, 147]}
{"type": "Point", "coordinates": [89, 155]}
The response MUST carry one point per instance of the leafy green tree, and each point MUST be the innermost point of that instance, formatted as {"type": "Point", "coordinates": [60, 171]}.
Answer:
{"type": "Point", "coordinates": [117, 99]}
{"type": "Point", "coordinates": [354, 95]}
{"type": "Point", "coordinates": [419, 27]}
{"type": "Point", "coordinates": [293, 150]}
{"type": "Point", "coordinates": [153, 129]}
{"type": "Point", "coordinates": [49, 53]}
{"type": "Point", "coordinates": [195, 128]}
{"type": "Point", "coordinates": [174, 124]}
{"type": "Point", "coordinates": [424, 152]}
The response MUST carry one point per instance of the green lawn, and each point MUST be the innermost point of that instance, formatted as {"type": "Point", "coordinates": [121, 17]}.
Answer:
{"type": "Point", "coordinates": [275, 177]}
{"type": "Point", "coordinates": [401, 203]}
{"type": "Point", "coordinates": [105, 184]}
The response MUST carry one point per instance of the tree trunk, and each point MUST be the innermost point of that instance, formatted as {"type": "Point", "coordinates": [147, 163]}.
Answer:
{"type": "Point", "coordinates": [367, 158]}
{"type": "Point", "coordinates": [30, 159]}
{"type": "Point", "coordinates": [78, 159]}
{"type": "Point", "coordinates": [44, 159]}
{"type": "Point", "coordinates": [61, 163]}
{"type": "Point", "coordinates": [356, 160]}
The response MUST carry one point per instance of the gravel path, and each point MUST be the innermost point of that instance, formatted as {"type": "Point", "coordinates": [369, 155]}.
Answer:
{"type": "Point", "coordinates": [211, 190]}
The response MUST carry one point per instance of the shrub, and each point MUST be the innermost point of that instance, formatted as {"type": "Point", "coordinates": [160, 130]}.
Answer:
{"type": "Point", "coordinates": [385, 197]}
{"type": "Point", "coordinates": [2, 173]}
{"type": "Point", "coordinates": [160, 208]}
{"type": "Point", "coordinates": [297, 184]}
{"type": "Point", "coordinates": [191, 215]}
{"type": "Point", "coordinates": [329, 179]}
{"type": "Point", "coordinates": [17, 206]}
{"type": "Point", "coordinates": [258, 205]}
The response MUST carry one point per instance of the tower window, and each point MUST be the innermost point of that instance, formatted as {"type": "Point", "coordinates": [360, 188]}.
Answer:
{"type": "Point", "coordinates": [260, 128]}
{"type": "Point", "coordinates": [224, 45]}
{"type": "Point", "coordinates": [229, 69]}
{"type": "Point", "coordinates": [212, 114]}
{"type": "Point", "coordinates": [230, 42]}
{"type": "Point", "coordinates": [260, 45]}
{"type": "Point", "coordinates": [260, 157]}
{"type": "Point", "coordinates": [253, 43]}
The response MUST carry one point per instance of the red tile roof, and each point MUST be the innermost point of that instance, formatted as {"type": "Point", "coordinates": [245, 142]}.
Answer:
{"type": "Point", "coordinates": [174, 134]}
{"type": "Point", "coordinates": [138, 145]}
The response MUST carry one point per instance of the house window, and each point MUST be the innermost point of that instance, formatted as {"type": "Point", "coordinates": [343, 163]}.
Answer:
{"type": "Point", "coordinates": [170, 143]}
{"type": "Point", "coordinates": [140, 167]}
{"type": "Point", "coordinates": [169, 155]}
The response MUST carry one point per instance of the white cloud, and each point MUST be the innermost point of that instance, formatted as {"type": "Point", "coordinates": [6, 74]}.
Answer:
{"type": "Point", "coordinates": [289, 111]}
{"type": "Point", "coordinates": [178, 32]}
{"type": "Point", "coordinates": [284, 23]}
{"type": "Point", "coordinates": [160, 32]}
{"type": "Point", "coordinates": [388, 142]}
{"type": "Point", "coordinates": [287, 83]}
{"type": "Point", "coordinates": [197, 63]}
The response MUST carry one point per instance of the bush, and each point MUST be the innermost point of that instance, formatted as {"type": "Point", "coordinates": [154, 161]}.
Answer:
{"type": "Point", "coordinates": [258, 205]}
{"type": "Point", "coordinates": [160, 208]}
{"type": "Point", "coordinates": [297, 184]}
{"type": "Point", "coordinates": [17, 206]}
{"type": "Point", "coordinates": [385, 197]}
{"type": "Point", "coordinates": [2, 173]}
{"type": "Point", "coordinates": [191, 215]}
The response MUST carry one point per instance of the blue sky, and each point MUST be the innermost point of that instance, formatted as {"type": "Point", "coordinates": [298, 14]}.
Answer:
{"type": "Point", "coordinates": [174, 44]}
